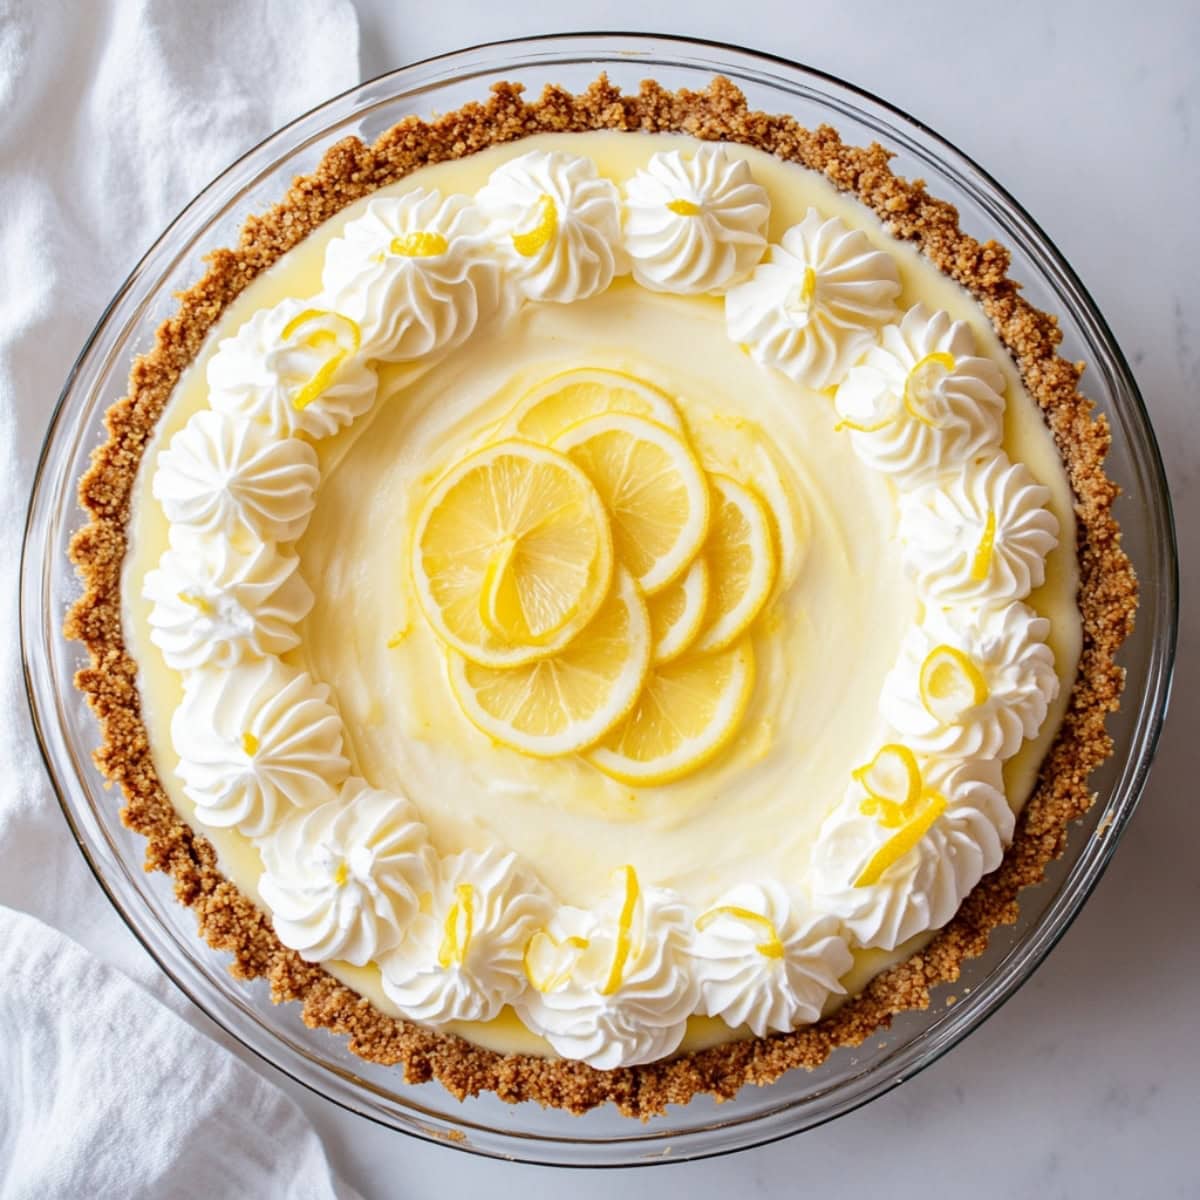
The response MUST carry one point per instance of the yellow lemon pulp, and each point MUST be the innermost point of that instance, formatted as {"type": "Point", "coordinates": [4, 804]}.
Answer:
{"type": "Point", "coordinates": [653, 488]}
{"type": "Point", "coordinates": [950, 684]}
{"type": "Point", "coordinates": [689, 710]}
{"type": "Point", "coordinates": [565, 399]}
{"type": "Point", "coordinates": [892, 781]}
{"type": "Point", "coordinates": [624, 939]}
{"type": "Point", "coordinates": [548, 963]}
{"type": "Point", "coordinates": [741, 560]}
{"type": "Point", "coordinates": [459, 927]}
{"type": "Point", "coordinates": [516, 532]}
{"type": "Point", "coordinates": [930, 807]}
{"type": "Point", "coordinates": [921, 380]}
{"type": "Point", "coordinates": [684, 208]}
{"type": "Point", "coordinates": [564, 703]}
{"type": "Point", "coordinates": [769, 947]}
{"type": "Point", "coordinates": [419, 245]}
{"type": "Point", "coordinates": [545, 229]}
{"type": "Point", "coordinates": [677, 612]}
{"type": "Point", "coordinates": [328, 329]}
{"type": "Point", "coordinates": [981, 563]}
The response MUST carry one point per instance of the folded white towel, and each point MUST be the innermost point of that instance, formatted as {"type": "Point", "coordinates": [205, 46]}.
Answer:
{"type": "Point", "coordinates": [106, 1092]}
{"type": "Point", "coordinates": [113, 114]}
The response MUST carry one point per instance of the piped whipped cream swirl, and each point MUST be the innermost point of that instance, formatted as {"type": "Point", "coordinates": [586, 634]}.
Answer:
{"type": "Point", "coordinates": [415, 273]}
{"type": "Point", "coordinates": [816, 303]}
{"type": "Point", "coordinates": [557, 222]}
{"type": "Point", "coordinates": [972, 682]}
{"type": "Point", "coordinates": [890, 874]}
{"type": "Point", "coordinates": [982, 535]}
{"type": "Point", "coordinates": [694, 223]}
{"type": "Point", "coordinates": [343, 879]}
{"type": "Point", "coordinates": [214, 606]}
{"type": "Point", "coordinates": [613, 986]}
{"type": "Point", "coordinates": [766, 962]}
{"type": "Point", "coordinates": [232, 477]}
{"type": "Point", "coordinates": [295, 368]}
{"type": "Point", "coordinates": [255, 743]}
{"type": "Point", "coordinates": [462, 960]}
{"type": "Point", "coordinates": [922, 404]}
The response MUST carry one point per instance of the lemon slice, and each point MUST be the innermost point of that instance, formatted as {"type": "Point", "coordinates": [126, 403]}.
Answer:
{"type": "Point", "coordinates": [892, 781]}
{"type": "Point", "coordinates": [677, 612]}
{"type": "Point", "coordinates": [688, 712]}
{"type": "Point", "coordinates": [950, 684]}
{"type": "Point", "coordinates": [512, 554]}
{"type": "Point", "coordinates": [565, 703]}
{"type": "Point", "coordinates": [566, 399]}
{"type": "Point", "coordinates": [653, 487]}
{"type": "Point", "coordinates": [742, 563]}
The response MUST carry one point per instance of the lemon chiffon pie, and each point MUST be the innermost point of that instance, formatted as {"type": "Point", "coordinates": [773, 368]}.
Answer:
{"type": "Point", "coordinates": [615, 606]}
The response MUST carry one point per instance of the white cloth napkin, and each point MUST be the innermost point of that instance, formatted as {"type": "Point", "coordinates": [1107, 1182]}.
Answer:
{"type": "Point", "coordinates": [109, 1093]}
{"type": "Point", "coordinates": [113, 114]}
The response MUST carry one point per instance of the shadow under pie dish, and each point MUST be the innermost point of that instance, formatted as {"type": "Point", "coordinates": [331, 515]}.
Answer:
{"type": "Point", "coordinates": [877, 367]}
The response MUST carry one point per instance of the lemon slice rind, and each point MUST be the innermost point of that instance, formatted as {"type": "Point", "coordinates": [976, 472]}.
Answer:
{"type": "Point", "coordinates": [612, 755]}
{"type": "Point", "coordinates": [734, 602]}
{"type": "Point", "coordinates": [542, 413]}
{"type": "Point", "coordinates": [630, 498]}
{"type": "Point", "coordinates": [497, 700]}
{"type": "Point", "coordinates": [677, 612]}
{"type": "Point", "coordinates": [474, 638]}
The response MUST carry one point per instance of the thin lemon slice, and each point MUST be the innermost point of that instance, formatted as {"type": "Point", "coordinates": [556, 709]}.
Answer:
{"type": "Point", "coordinates": [512, 554]}
{"type": "Point", "coordinates": [653, 487]}
{"type": "Point", "coordinates": [741, 560]}
{"type": "Point", "coordinates": [950, 684]}
{"type": "Point", "coordinates": [565, 703]}
{"type": "Point", "coordinates": [572, 396]}
{"type": "Point", "coordinates": [677, 612]}
{"type": "Point", "coordinates": [688, 712]}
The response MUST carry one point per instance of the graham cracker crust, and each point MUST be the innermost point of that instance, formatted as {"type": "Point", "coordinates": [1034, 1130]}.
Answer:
{"type": "Point", "coordinates": [229, 921]}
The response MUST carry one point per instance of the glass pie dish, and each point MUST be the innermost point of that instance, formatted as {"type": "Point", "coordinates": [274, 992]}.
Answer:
{"type": "Point", "coordinates": [486, 1125]}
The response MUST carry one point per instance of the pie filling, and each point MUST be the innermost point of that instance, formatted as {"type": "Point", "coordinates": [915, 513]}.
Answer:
{"type": "Point", "coordinates": [603, 595]}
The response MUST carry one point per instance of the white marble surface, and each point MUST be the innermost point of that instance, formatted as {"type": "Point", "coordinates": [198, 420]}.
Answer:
{"type": "Point", "coordinates": [1085, 1084]}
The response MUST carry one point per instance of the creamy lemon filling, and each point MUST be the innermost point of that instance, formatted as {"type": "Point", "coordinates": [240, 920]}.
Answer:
{"type": "Point", "coordinates": [832, 634]}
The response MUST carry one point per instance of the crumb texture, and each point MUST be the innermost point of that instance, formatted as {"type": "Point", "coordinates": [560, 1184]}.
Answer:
{"type": "Point", "coordinates": [229, 921]}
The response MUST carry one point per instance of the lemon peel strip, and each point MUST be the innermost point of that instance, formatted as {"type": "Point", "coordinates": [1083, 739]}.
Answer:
{"type": "Point", "coordinates": [941, 664]}
{"type": "Point", "coordinates": [981, 563]}
{"type": "Point", "coordinates": [624, 932]}
{"type": "Point", "coordinates": [552, 982]}
{"type": "Point", "coordinates": [684, 208]}
{"type": "Point", "coordinates": [918, 375]}
{"type": "Point", "coordinates": [901, 842]}
{"type": "Point", "coordinates": [891, 812]}
{"type": "Point", "coordinates": [325, 373]}
{"type": "Point", "coordinates": [545, 230]}
{"type": "Point", "coordinates": [769, 947]}
{"type": "Point", "coordinates": [419, 245]}
{"type": "Point", "coordinates": [459, 927]}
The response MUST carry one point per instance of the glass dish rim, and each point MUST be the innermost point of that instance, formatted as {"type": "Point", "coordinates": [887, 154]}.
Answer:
{"type": "Point", "coordinates": [546, 50]}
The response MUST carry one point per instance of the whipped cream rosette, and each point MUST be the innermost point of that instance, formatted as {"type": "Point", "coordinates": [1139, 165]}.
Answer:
{"type": "Point", "coordinates": [229, 476]}
{"type": "Point", "coordinates": [922, 403]}
{"type": "Point", "coordinates": [462, 960]}
{"type": "Point", "coordinates": [816, 303]}
{"type": "Point", "coordinates": [414, 274]}
{"type": "Point", "coordinates": [613, 986]}
{"type": "Point", "coordinates": [557, 222]}
{"type": "Point", "coordinates": [344, 880]}
{"type": "Point", "coordinates": [972, 682]}
{"type": "Point", "coordinates": [765, 961]}
{"type": "Point", "coordinates": [907, 843]}
{"type": "Point", "coordinates": [256, 742]}
{"type": "Point", "coordinates": [980, 535]}
{"type": "Point", "coordinates": [214, 606]}
{"type": "Point", "coordinates": [694, 223]}
{"type": "Point", "coordinates": [295, 368]}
